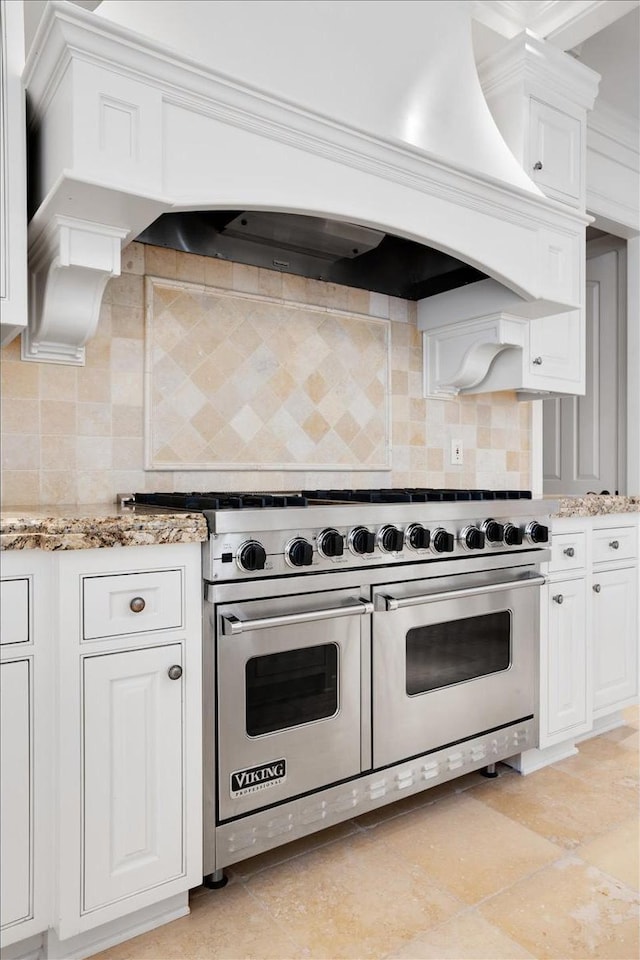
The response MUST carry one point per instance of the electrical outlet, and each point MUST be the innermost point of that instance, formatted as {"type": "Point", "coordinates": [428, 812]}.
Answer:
{"type": "Point", "coordinates": [457, 453]}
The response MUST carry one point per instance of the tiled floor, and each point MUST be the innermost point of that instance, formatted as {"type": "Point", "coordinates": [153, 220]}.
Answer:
{"type": "Point", "coordinates": [537, 866]}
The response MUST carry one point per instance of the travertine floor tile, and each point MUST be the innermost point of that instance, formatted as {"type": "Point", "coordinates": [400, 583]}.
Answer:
{"type": "Point", "coordinates": [604, 762]}
{"type": "Point", "coordinates": [469, 936]}
{"type": "Point", "coordinates": [569, 910]}
{"type": "Point", "coordinates": [456, 844]}
{"type": "Point", "coordinates": [632, 716]}
{"type": "Point", "coordinates": [565, 809]}
{"type": "Point", "coordinates": [355, 899]}
{"type": "Point", "coordinates": [226, 924]}
{"type": "Point", "coordinates": [617, 853]}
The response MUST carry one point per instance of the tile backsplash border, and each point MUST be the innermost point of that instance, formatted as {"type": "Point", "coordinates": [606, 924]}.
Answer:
{"type": "Point", "coordinates": [75, 434]}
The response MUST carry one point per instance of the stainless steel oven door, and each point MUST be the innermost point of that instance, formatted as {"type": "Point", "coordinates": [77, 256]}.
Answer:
{"type": "Point", "coordinates": [289, 696]}
{"type": "Point", "coordinates": [452, 657]}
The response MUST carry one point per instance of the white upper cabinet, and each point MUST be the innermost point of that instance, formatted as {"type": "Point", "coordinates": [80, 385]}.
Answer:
{"type": "Point", "coordinates": [13, 174]}
{"type": "Point", "coordinates": [539, 98]}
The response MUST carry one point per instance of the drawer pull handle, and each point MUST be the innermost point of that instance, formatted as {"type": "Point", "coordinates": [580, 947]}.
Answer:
{"type": "Point", "coordinates": [174, 672]}
{"type": "Point", "coordinates": [597, 588]}
{"type": "Point", "coordinates": [537, 165]}
{"type": "Point", "coordinates": [614, 544]}
{"type": "Point", "coordinates": [537, 361]}
{"type": "Point", "coordinates": [559, 598]}
{"type": "Point", "coordinates": [569, 552]}
{"type": "Point", "coordinates": [137, 605]}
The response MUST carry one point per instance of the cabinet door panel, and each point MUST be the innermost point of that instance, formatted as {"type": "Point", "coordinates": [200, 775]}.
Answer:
{"type": "Point", "coordinates": [615, 637]}
{"type": "Point", "coordinates": [133, 776]}
{"type": "Point", "coordinates": [15, 812]}
{"type": "Point", "coordinates": [567, 674]}
{"type": "Point", "coordinates": [555, 348]}
{"type": "Point", "coordinates": [555, 143]}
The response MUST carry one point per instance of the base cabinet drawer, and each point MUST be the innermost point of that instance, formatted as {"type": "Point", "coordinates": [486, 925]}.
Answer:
{"type": "Point", "coordinates": [16, 799]}
{"type": "Point", "coordinates": [568, 552]}
{"type": "Point", "coordinates": [133, 773]}
{"type": "Point", "coordinates": [614, 543]}
{"type": "Point", "coordinates": [117, 605]}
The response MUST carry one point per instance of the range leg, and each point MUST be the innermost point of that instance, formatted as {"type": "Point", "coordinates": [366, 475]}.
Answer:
{"type": "Point", "coordinates": [215, 880]}
{"type": "Point", "coordinates": [489, 771]}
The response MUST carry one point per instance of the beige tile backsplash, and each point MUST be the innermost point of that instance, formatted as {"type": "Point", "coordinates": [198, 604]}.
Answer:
{"type": "Point", "coordinates": [76, 434]}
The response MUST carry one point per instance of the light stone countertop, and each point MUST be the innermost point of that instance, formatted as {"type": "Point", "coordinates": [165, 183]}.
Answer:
{"type": "Point", "coordinates": [596, 505]}
{"type": "Point", "coordinates": [87, 526]}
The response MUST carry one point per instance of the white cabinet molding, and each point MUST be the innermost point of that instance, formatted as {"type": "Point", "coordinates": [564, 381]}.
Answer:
{"type": "Point", "coordinates": [124, 130]}
{"type": "Point", "coordinates": [71, 262]}
{"type": "Point", "coordinates": [13, 174]}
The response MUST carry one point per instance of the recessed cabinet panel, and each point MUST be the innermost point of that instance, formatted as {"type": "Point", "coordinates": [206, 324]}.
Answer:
{"type": "Point", "coordinates": [14, 611]}
{"type": "Point", "coordinates": [131, 603]}
{"type": "Point", "coordinates": [615, 636]}
{"type": "Point", "coordinates": [15, 810]}
{"type": "Point", "coordinates": [568, 552]}
{"type": "Point", "coordinates": [555, 151]}
{"type": "Point", "coordinates": [133, 773]}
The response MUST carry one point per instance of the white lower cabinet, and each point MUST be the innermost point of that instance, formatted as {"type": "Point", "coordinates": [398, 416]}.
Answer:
{"type": "Point", "coordinates": [16, 754]}
{"type": "Point", "coordinates": [101, 696]}
{"type": "Point", "coordinates": [567, 667]}
{"type": "Point", "coordinates": [132, 789]}
{"type": "Point", "coordinates": [590, 633]}
{"type": "Point", "coordinates": [615, 638]}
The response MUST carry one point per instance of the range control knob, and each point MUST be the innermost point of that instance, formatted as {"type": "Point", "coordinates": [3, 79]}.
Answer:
{"type": "Point", "coordinates": [330, 543]}
{"type": "Point", "coordinates": [362, 540]}
{"type": "Point", "coordinates": [512, 535]}
{"type": "Point", "coordinates": [537, 532]}
{"type": "Point", "coordinates": [417, 536]}
{"type": "Point", "coordinates": [252, 556]}
{"type": "Point", "coordinates": [493, 531]}
{"type": "Point", "coordinates": [441, 541]}
{"type": "Point", "coordinates": [472, 538]}
{"type": "Point", "coordinates": [391, 539]}
{"type": "Point", "coordinates": [299, 553]}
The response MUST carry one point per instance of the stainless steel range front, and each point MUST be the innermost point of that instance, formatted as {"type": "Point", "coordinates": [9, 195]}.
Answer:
{"type": "Point", "coordinates": [358, 647]}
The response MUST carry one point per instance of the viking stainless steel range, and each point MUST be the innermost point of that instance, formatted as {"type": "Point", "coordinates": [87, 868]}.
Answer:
{"type": "Point", "coordinates": [359, 646]}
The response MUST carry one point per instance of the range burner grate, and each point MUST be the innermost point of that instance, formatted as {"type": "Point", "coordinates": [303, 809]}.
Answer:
{"type": "Point", "coordinates": [198, 501]}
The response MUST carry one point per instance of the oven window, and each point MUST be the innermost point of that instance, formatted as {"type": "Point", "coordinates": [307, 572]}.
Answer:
{"type": "Point", "coordinates": [441, 654]}
{"type": "Point", "coordinates": [288, 689]}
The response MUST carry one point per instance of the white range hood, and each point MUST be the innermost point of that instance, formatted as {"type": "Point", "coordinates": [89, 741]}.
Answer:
{"type": "Point", "coordinates": [146, 107]}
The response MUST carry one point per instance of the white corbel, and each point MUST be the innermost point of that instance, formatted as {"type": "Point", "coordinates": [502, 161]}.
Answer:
{"type": "Point", "coordinates": [70, 262]}
{"type": "Point", "coordinates": [457, 357]}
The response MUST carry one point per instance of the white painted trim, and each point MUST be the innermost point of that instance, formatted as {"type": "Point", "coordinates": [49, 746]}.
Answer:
{"type": "Point", "coordinates": [566, 23]}
{"type": "Point", "coordinates": [117, 931]}
{"type": "Point", "coordinates": [536, 759]}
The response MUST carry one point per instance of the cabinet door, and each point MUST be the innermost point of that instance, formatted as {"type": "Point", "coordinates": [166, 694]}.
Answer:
{"type": "Point", "coordinates": [133, 773]}
{"type": "Point", "coordinates": [567, 675]}
{"type": "Point", "coordinates": [555, 151]}
{"type": "Point", "coordinates": [15, 812]}
{"type": "Point", "coordinates": [615, 637]}
{"type": "Point", "coordinates": [556, 351]}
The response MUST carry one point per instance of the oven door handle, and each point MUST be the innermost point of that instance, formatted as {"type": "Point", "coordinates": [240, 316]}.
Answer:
{"type": "Point", "coordinates": [396, 603]}
{"type": "Point", "coordinates": [231, 626]}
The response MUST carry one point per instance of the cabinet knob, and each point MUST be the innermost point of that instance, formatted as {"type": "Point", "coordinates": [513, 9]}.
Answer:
{"type": "Point", "coordinates": [537, 165]}
{"type": "Point", "coordinates": [597, 588]}
{"type": "Point", "coordinates": [614, 544]}
{"type": "Point", "coordinates": [559, 598]}
{"type": "Point", "coordinates": [537, 361]}
{"type": "Point", "coordinates": [137, 605]}
{"type": "Point", "coordinates": [175, 672]}
{"type": "Point", "coordinates": [569, 552]}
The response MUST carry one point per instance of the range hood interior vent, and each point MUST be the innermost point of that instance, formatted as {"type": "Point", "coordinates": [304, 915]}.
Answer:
{"type": "Point", "coordinates": [314, 247]}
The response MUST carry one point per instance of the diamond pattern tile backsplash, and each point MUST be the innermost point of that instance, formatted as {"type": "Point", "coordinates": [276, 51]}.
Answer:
{"type": "Point", "coordinates": [248, 366]}
{"type": "Point", "coordinates": [242, 381]}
